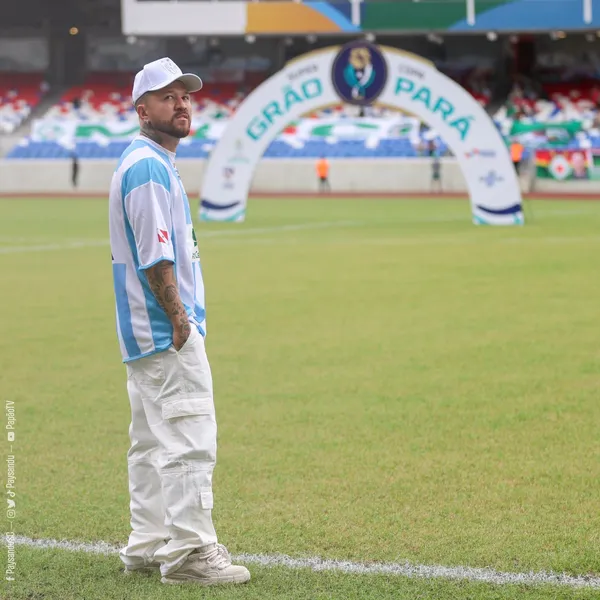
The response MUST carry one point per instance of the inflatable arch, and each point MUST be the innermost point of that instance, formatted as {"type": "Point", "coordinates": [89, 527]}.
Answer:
{"type": "Point", "coordinates": [362, 74]}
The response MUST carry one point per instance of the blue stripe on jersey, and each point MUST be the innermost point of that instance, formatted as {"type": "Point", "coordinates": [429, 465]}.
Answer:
{"type": "Point", "coordinates": [199, 311]}
{"type": "Point", "coordinates": [142, 172]}
{"type": "Point", "coordinates": [154, 148]}
{"type": "Point", "coordinates": [196, 310]}
{"type": "Point", "coordinates": [135, 145]}
{"type": "Point", "coordinates": [186, 204]}
{"type": "Point", "coordinates": [188, 310]}
{"type": "Point", "coordinates": [162, 330]}
{"type": "Point", "coordinates": [123, 309]}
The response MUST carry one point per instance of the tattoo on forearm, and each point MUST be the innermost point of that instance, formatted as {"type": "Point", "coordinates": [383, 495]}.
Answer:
{"type": "Point", "coordinates": [161, 279]}
{"type": "Point", "coordinates": [170, 293]}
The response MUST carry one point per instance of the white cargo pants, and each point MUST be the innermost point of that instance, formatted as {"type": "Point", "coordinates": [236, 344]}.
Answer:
{"type": "Point", "coordinates": [173, 450]}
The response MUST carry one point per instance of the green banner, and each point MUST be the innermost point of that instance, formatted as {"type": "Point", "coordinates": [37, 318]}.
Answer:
{"type": "Point", "coordinates": [546, 133]}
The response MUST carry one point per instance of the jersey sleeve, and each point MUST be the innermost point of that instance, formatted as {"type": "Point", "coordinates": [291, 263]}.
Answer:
{"type": "Point", "coordinates": [146, 190]}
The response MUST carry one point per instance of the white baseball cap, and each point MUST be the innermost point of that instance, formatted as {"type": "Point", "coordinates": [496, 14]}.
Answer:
{"type": "Point", "coordinates": [159, 74]}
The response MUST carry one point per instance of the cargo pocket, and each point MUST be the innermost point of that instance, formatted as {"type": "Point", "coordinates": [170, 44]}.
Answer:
{"type": "Point", "coordinates": [204, 492]}
{"type": "Point", "coordinates": [206, 497]}
{"type": "Point", "coordinates": [187, 407]}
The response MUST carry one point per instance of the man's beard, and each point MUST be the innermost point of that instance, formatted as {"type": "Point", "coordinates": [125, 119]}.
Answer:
{"type": "Point", "coordinates": [176, 130]}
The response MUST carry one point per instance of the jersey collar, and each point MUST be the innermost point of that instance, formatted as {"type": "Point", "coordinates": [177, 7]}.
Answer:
{"type": "Point", "coordinates": [158, 147]}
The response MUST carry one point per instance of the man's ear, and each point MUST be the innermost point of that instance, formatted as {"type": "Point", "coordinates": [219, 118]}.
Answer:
{"type": "Point", "coordinates": [140, 107]}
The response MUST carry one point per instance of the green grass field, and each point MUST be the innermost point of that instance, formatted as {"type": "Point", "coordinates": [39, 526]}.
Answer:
{"type": "Point", "coordinates": [392, 384]}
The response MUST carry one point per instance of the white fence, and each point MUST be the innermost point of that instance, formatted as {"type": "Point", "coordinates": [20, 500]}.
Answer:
{"type": "Point", "coordinates": [273, 175]}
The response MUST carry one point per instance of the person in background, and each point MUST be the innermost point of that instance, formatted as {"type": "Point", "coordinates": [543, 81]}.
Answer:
{"type": "Point", "coordinates": [323, 174]}
{"type": "Point", "coordinates": [436, 172]}
{"type": "Point", "coordinates": [74, 169]}
{"type": "Point", "coordinates": [516, 155]}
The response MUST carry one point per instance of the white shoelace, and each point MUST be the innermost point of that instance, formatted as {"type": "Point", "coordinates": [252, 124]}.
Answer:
{"type": "Point", "coordinates": [219, 557]}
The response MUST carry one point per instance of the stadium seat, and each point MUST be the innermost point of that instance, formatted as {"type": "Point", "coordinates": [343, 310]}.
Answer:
{"type": "Point", "coordinates": [19, 94]}
{"type": "Point", "coordinates": [398, 147]}
{"type": "Point", "coordinates": [106, 97]}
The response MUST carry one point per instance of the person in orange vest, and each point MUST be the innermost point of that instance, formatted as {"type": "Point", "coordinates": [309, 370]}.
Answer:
{"type": "Point", "coordinates": [516, 154]}
{"type": "Point", "coordinates": [323, 174]}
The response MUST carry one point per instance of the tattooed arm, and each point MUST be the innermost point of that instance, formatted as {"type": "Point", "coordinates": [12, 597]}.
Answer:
{"type": "Point", "coordinates": [163, 284]}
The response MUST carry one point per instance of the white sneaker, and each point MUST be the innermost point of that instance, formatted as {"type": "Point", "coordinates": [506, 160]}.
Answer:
{"type": "Point", "coordinates": [209, 567]}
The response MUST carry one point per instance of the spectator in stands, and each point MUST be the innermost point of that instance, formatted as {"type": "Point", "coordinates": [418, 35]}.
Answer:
{"type": "Point", "coordinates": [323, 174]}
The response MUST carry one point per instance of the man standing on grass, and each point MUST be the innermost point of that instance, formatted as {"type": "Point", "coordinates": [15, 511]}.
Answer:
{"type": "Point", "coordinates": [436, 172]}
{"type": "Point", "coordinates": [161, 327]}
{"type": "Point", "coordinates": [322, 168]}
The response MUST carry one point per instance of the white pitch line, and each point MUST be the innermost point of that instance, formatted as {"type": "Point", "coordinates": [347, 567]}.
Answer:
{"type": "Point", "coordinates": [405, 569]}
{"type": "Point", "coordinates": [50, 247]}
{"type": "Point", "coordinates": [413, 241]}
{"type": "Point", "coordinates": [324, 225]}
{"type": "Point", "coordinates": [74, 244]}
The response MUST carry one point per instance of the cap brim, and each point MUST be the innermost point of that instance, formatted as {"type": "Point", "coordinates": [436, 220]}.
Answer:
{"type": "Point", "coordinates": [192, 83]}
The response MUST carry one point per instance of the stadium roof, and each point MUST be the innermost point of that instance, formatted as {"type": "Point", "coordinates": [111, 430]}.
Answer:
{"type": "Point", "coordinates": [45, 14]}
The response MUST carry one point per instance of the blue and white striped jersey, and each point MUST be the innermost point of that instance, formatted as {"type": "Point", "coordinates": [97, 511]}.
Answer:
{"type": "Point", "coordinates": [150, 221]}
